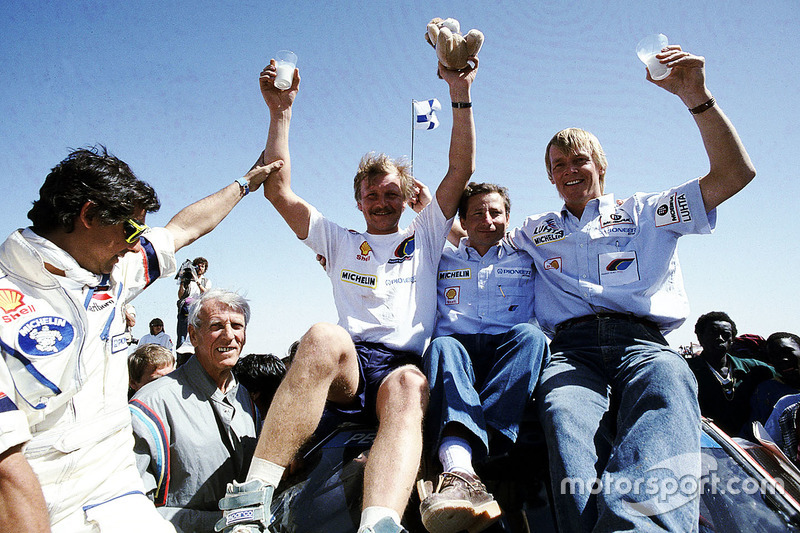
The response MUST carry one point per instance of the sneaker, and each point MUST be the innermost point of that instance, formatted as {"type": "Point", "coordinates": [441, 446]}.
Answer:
{"type": "Point", "coordinates": [384, 525]}
{"type": "Point", "coordinates": [245, 508]}
{"type": "Point", "coordinates": [460, 502]}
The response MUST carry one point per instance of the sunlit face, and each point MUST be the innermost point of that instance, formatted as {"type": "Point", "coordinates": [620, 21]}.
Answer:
{"type": "Point", "coordinates": [716, 338]}
{"type": "Point", "coordinates": [576, 177]}
{"type": "Point", "coordinates": [486, 220]}
{"type": "Point", "coordinates": [105, 245]}
{"type": "Point", "coordinates": [785, 357]}
{"type": "Point", "coordinates": [382, 204]}
{"type": "Point", "coordinates": [219, 340]}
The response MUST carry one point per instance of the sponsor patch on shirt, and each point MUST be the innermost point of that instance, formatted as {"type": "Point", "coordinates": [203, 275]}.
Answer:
{"type": "Point", "coordinates": [505, 272]}
{"type": "Point", "coordinates": [673, 209]}
{"type": "Point", "coordinates": [45, 335]}
{"type": "Point", "coordinates": [461, 273]}
{"type": "Point", "coordinates": [6, 404]}
{"type": "Point", "coordinates": [364, 251]}
{"type": "Point", "coordinates": [452, 295]}
{"type": "Point", "coordinates": [618, 268]}
{"type": "Point", "coordinates": [356, 278]}
{"type": "Point", "coordinates": [547, 231]}
{"type": "Point", "coordinates": [554, 263]}
{"type": "Point", "coordinates": [100, 300]}
{"type": "Point", "coordinates": [12, 303]}
{"type": "Point", "coordinates": [616, 218]}
{"type": "Point", "coordinates": [404, 251]}
{"type": "Point", "coordinates": [119, 343]}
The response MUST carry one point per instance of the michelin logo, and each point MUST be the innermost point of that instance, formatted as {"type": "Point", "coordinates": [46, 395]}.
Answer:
{"type": "Point", "coordinates": [46, 335]}
{"type": "Point", "coordinates": [363, 280]}
{"type": "Point", "coordinates": [547, 232]}
{"type": "Point", "coordinates": [464, 273]}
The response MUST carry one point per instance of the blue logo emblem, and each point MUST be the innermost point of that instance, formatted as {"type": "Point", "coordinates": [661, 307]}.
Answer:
{"type": "Point", "coordinates": [45, 335]}
{"type": "Point", "coordinates": [404, 251]}
{"type": "Point", "coordinates": [619, 265]}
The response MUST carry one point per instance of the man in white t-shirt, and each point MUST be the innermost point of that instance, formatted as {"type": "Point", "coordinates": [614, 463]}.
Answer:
{"type": "Point", "coordinates": [384, 286]}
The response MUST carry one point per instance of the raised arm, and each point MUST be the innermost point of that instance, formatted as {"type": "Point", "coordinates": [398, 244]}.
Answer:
{"type": "Point", "coordinates": [22, 506]}
{"type": "Point", "coordinates": [730, 166]}
{"type": "Point", "coordinates": [294, 210]}
{"type": "Point", "coordinates": [462, 138]}
{"type": "Point", "coordinates": [201, 217]}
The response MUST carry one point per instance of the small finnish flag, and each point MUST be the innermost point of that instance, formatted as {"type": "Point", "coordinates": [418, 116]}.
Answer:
{"type": "Point", "coordinates": [425, 114]}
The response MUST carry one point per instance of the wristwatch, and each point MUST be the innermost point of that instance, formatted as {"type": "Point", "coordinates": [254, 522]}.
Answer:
{"type": "Point", "coordinates": [244, 185]}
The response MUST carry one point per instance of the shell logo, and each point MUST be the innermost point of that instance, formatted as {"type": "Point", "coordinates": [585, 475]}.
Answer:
{"type": "Point", "coordinates": [450, 293]}
{"type": "Point", "coordinates": [365, 248]}
{"type": "Point", "coordinates": [10, 300]}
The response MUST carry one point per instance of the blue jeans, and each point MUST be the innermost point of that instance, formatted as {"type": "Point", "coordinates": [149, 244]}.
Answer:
{"type": "Point", "coordinates": [620, 415]}
{"type": "Point", "coordinates": [482, 381]}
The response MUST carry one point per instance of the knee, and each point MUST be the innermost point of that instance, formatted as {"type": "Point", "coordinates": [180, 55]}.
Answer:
{"type": "Point", "coordinates": [444, 349]}
{"type": "Point", "coordinates": [404, 390]}
{"type": "Point", "coordinates": [323, 347]}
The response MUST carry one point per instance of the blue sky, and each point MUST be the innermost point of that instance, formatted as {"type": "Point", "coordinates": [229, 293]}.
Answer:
{"type": "Point", "coordinates": [172, 89]}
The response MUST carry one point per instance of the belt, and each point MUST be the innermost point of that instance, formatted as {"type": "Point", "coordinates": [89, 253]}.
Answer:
{"type": "Point", "coordinates": [592, 318]}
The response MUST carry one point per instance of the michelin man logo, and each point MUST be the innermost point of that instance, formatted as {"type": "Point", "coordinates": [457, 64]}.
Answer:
{"type": "Point", "coordinates": [45, 335]}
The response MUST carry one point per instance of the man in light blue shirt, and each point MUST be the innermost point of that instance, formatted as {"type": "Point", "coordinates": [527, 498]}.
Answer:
{"type": "Point", "coordinates": [618, 406]}
{"type": "Point", "coordinates": [484, 362]}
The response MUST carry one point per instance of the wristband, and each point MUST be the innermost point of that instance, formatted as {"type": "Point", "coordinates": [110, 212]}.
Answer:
{"type": "Point", "coordinates": [462, 105]}
{"type": "Point", "coordinates": [245, 186]}
{"type": "Point", "coordinates": [705, 106]}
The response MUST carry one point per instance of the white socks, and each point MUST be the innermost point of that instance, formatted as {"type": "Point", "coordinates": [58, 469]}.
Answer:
{"type": "Point", "coordinates": [372, 515]}
{"type": "Point", "coordinates": [266, 471]}
{"type": "Point", "coordinates": [455, 454]}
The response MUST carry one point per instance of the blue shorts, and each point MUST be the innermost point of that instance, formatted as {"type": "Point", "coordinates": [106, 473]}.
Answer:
{"type": "Point", "coordinates": [375, 362]}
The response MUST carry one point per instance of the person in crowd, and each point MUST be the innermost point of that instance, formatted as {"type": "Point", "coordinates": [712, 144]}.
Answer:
{"type": "Point", "coordinates": [725, 383]}
{"type": "Point", "coordinates": [192, 284]}
{"type": "Point", "coordinates": [615, 401]}
{"type": "Point", "coordinates": [783, 353]}
{"type": "Point", "coordinates": [260, 374]}
{"type": "Point", "coordinates": [750, 346]}
{"type": "Point", "coordinates": [147, 363]}
{"type": "Point", "coordinates": [63, 375]}
{"type": "Point", "coordinates": [184, 462]}
{"type": "Point", "coordinates": [157, 335]}
{"type": "Point", "coordinates": [384, 286]}
{"type": "Point", "coordinates": [483, 362]}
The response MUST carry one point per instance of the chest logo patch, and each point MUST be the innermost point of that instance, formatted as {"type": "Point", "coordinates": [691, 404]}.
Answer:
{"type": "Point", "coordinates": [452, 295]}
{"type": "Point", "coordinates": [547, 231]}
{"type": "Point", "coordinates": [553, 263]}
{"type": "Point", "coordinates": [12, 303]}
{"type": "Point", "coordinates": [618, 268]}
{"type": "Point", "coordinates": [364, 251]}
{"type": "Point", "coordinates": [462, 273]}
{"type": "Point", "coordinates": [404, 251]}
{"type": "Point", "coordinates": [356, 278]}
{"type": "Point", "coordinates": [46, 335]}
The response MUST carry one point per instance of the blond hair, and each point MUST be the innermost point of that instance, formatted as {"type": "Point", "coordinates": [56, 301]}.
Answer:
{"type": "Point", "coordinates": [574, 140]}
{"type": "Point", "coordinates": [375, 165]}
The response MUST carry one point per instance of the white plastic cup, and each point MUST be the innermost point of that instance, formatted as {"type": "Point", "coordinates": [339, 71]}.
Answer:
{"type": "Point", "coordinates": [285, 61]}
{"type": "Point", "coordinates": [647, 50]}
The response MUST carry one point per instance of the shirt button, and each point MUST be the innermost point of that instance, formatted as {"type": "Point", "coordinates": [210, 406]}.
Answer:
{"type": "Point", "coordinates": [584, 276]}
{"type": "Point", "coordinates": [581, 246]}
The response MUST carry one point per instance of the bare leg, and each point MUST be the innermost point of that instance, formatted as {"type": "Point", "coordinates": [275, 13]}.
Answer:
{"type": "Point", "coordinates": [395, 455]}
{"type": "Point", "coordinates": [324, 367]}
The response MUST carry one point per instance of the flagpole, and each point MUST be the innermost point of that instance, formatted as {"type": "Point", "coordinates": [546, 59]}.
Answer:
{"type": "Point", "coordinates": [413, 118]}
